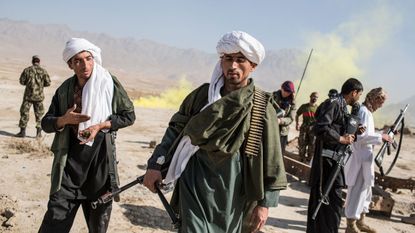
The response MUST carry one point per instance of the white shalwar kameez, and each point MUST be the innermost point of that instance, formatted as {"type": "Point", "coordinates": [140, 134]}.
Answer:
{"type": "Point", "coordinates": [360, 169]}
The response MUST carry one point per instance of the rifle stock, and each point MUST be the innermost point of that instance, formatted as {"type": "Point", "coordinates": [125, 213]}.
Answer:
{"type": "Point", "coordinates": [324, 199]}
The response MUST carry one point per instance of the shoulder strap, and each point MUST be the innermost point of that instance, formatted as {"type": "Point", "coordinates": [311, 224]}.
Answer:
{"type": "Point", "coordinates": [253, 142]}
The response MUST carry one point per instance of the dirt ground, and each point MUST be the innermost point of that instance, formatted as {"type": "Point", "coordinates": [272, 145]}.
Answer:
{"type": "Point", "coordinates": [25, 177]}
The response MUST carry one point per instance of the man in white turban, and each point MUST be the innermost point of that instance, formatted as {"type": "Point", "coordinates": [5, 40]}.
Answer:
{"type": "Point", "coordinates": [85, 114]}
{"type": "Point", "coordinates": [221, 185]}
{"type": "Point", "coordinates": [360, 169]}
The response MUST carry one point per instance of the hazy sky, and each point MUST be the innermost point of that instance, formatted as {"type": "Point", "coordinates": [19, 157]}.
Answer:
{"type": "Point", "coordinates": [372, 40]}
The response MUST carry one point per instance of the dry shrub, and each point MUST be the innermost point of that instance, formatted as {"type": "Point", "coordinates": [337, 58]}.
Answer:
{"type": "Point", "coordinates": [30, 146]}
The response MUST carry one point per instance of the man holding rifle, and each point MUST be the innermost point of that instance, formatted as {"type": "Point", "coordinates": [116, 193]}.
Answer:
{"type": "Point", "coordinates": [220, 185]}
{"type": "Point", "coordinates": [331, 137]}
{"type": "Point", "coordinates": [360, 169]}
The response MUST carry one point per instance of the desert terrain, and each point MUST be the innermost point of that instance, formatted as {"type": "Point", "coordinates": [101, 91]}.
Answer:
{"type": "Point", "coordinates": [25, 175]}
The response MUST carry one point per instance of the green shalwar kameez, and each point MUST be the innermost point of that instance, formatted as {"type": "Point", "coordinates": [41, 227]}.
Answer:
{"type": "Point", "coordinates": [220, 182]}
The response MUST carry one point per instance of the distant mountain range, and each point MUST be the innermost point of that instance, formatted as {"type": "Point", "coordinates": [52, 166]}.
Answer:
{"type": "Point", "coordinates": [138, 61]}
{"type": "Point", "coordinates": [144, 65]}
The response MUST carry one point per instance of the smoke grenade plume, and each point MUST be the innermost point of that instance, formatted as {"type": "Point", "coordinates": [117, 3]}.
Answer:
{"type": "Point", "coordinates": [170, 99]}
{"type": "Point", "coordinates": [342, 53]}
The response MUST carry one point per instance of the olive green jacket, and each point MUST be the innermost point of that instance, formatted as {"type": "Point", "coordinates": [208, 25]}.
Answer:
{"type": "Point", "coordinates": [123, 115]}
{"type": "Point", "coordinates": [221, 130]}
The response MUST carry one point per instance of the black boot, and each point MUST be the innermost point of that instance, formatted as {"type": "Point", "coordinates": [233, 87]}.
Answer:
{"type": "Point", "coordinates": [38, 132]}
{"type": "Point", "coordinates": [22, 133]}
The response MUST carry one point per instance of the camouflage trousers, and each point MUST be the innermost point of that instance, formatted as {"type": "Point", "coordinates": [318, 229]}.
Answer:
{"type": "Point", "coordinates": [24, 112]}
{"type": "Point", "coordinates": [306, 142]}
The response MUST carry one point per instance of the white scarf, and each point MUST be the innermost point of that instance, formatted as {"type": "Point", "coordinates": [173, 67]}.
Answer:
{"type": "Point", "coordinates": [97, 99]}
{"type": "Point", "coordinates": [98, 91]}
{"type": "Point", "coordinates": [185, 148]}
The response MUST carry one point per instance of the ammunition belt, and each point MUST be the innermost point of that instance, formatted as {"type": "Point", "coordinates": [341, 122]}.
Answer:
{"type": "Point", "coordinates": [254, 140]}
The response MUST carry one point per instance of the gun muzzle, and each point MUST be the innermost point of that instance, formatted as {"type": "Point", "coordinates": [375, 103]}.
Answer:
{"type": "Point", "coordinates": [107, 197]}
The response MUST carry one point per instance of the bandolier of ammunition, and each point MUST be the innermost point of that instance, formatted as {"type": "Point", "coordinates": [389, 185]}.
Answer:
{"type": "Point", "coordinates": [254, 140]}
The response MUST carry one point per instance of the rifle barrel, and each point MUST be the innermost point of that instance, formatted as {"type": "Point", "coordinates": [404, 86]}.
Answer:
{"type": "Point", "coordinates": [109, 196]}
{"type": "Point", "coordinates": [391, 132]}
{"type": "Point", "coordinates": [175, 220]}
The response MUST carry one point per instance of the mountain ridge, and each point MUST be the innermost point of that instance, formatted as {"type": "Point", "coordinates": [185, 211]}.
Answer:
{"type": "Point", "coordinates": [142, 58]}
{"type": "Point", "coordinates": [146, 66]}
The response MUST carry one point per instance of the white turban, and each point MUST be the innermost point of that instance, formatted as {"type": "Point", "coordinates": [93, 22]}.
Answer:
{"type": "Point", "coordinates": [234, 42]}
{"type": "Point", "coordinates": [76, 45]}
{"type": "Point", "coordinates": [98, 91]}
{"type": "Point", "coordinates": [238, 41]}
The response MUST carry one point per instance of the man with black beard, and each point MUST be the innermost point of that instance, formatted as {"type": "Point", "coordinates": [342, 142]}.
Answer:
{"type": "Point", "coordinates": [331, 137]}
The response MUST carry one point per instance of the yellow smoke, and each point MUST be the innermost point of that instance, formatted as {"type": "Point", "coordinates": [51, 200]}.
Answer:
{"type": "Point", "coordinates": [170, 99]}
{"type": "Point", "coordinates": [341, 53]}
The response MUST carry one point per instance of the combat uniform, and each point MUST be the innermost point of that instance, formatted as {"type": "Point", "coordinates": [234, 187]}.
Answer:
{"type": "Point", "coordinates": [35, 78]}
{"type": "Point", "coordinates": [306, 138]}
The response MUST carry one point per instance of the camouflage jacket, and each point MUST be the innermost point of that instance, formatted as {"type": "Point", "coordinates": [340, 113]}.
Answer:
{"type": "Point", "coordinates": [34, 78]}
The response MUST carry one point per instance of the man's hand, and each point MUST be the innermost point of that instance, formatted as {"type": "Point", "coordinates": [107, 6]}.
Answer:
{"type": "Point", "coordinates": [387, 138]}
{"type": "Point", "coordinates": [152, 178]}
{"type": "Point", "coordinates": [89, 133]}
{"type": "Point", "coordinates": [297, 126]}
{"type": "Point", "coordinates": [347, 139]}
{"type": "Point", "coordinates": [361, 129]}
{"type": "Point", "coordinates": [258, 218]}
{"type": "Point", "coordinates": [71, 118]}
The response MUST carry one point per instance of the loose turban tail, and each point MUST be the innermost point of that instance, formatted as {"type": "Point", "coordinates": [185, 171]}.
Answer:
{"type": "Point", "coordinates": [232, 42]}
{"type": "Point", "coordinates": [76, 45]}
{"type": "Point", "coordinates": [98, 92]}
{"type": "Point", "coordinates": [238, 41]}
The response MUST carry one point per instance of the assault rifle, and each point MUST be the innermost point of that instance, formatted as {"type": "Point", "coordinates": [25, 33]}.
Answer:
{"type": "Point", "coordinates": [343, 157]}
{"type": "Point", "coordinates": [107, 197]}
{"type": "Point", "coordinates": [399, 122]}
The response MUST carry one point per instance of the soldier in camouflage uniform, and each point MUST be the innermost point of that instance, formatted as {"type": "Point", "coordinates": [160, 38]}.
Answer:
{"type": "Point", "coordinates": [306, 139]}
{"type": "Point", "coordinates": [34, 78]}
